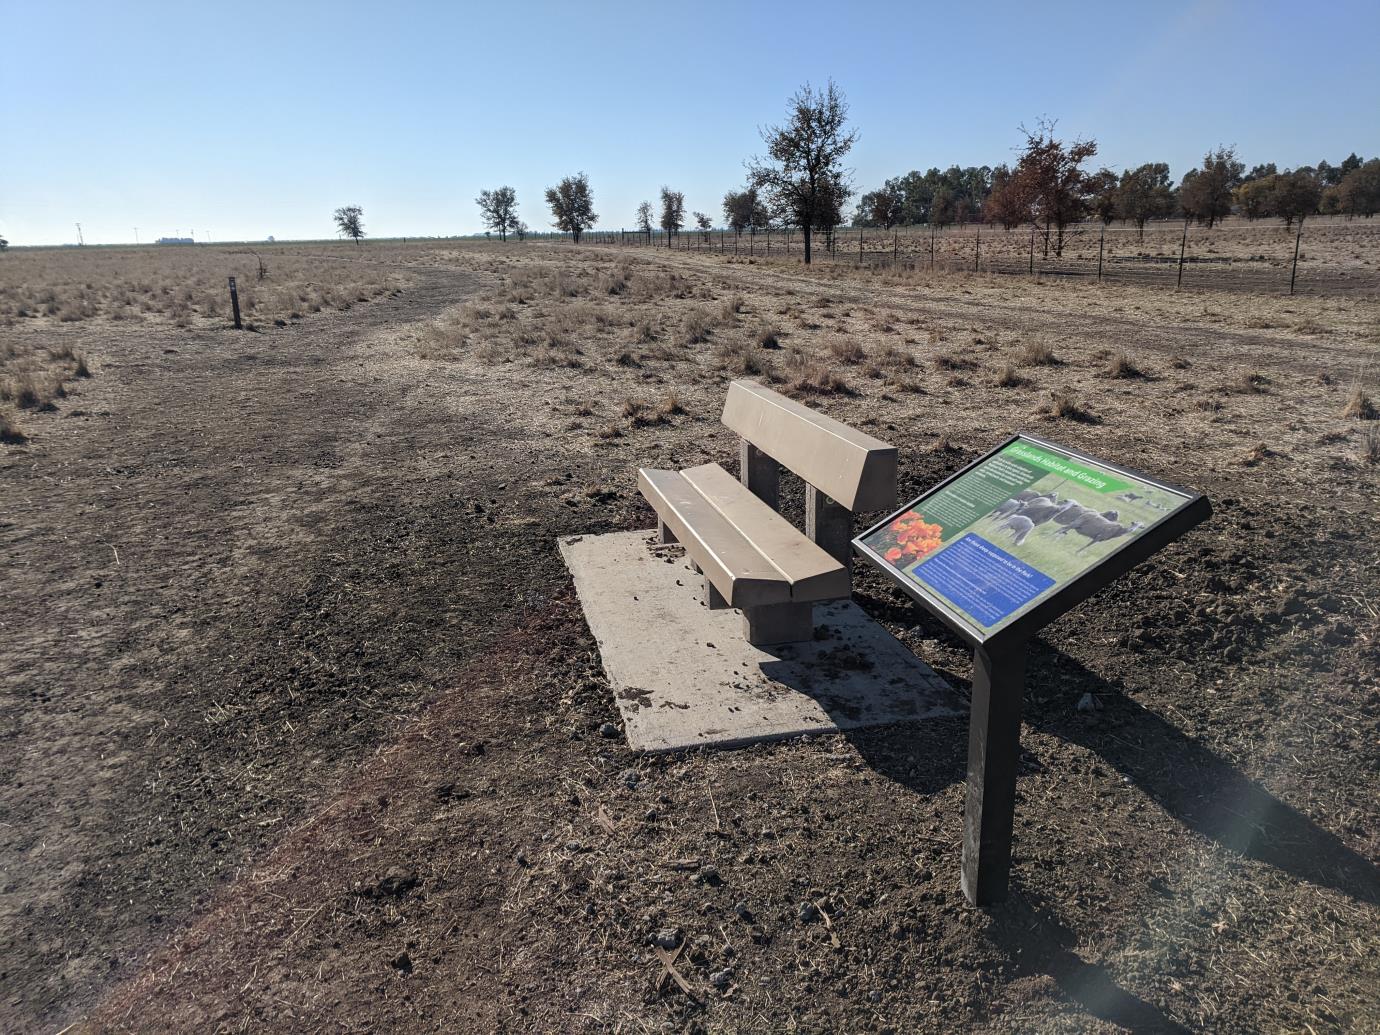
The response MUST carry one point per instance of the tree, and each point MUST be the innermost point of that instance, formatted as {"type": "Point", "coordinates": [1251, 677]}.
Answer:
{"type": "Point", "coordinates": [1350, 164]}
{"type": "Point", "coordinates": [1050, 181]}
{"type": "Point", "coordinates": [350, 222]}
{"type": "Point", "coordinates": [1206, 193]}
{"type": "Point", "coordinates": [881, 207]}
{"type": "Point", "coordinates": [943, 207]}
{"type": "Point", "coordinates": [743, 210]}
{"type": "Point", "coordinates": [498, 209]}
{"type": "Point", "coordinates": [802, 174]}
{"type": "Point", "coordinates": [521, 230]}
{"type": "Point", "coordinates": [1263, 171]}
{"type": "Point", "coordinates": [3, 244]}
{"type": "Point", "coordinates": [573, 205]}
{"type": "Point", "coordinates": [644, 218]}
{"type": "Point", "coordinates": [1145, 193]}
{"type": "Point", "coordinates": [1296, 196]}
{"type": "Point", "coordinates": [1004, 203]}
{"type": "Point", "coordinates": [672, 212]}
{"type": "Point", "coordinates": [704, 223]}
{"type": "Point", "coordinates": [1102, 194]}
{"type": "Point", "coordinates": [1359, 191]}
{"type": "Point", "coordinates": [1256, 196]}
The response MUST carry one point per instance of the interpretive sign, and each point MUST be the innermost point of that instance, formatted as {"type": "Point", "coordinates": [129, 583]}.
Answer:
{"type": "Point", "coordinates": [1024, 522]}
{"type": "Point", "coordinates": [997, 552]}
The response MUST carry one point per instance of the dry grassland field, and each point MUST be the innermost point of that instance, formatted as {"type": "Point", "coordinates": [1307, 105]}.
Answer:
{"type": "Point", "coordinates": [304, 730]}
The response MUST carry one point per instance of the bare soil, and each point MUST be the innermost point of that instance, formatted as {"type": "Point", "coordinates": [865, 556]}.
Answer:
{"type": "Point", "coordinates": [302, 722]}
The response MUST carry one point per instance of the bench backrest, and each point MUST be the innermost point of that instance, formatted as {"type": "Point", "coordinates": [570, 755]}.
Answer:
{"type": "Point", "coordinates": [851, 468]}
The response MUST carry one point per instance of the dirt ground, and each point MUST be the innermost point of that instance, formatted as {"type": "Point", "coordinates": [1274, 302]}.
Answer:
{"type": "Point", "coordinates": [302, 723]}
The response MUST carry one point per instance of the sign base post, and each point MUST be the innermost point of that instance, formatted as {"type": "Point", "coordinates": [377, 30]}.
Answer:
{"type": "Point", "coordinates": [994, 747]}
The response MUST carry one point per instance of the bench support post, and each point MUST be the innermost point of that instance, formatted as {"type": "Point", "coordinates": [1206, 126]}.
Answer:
{"type": "Point", "coordinates": [713, 599]}
{"type": "Point", "coordinates": [778, 623]}
{"type": "Point", "coordinates": [664, 535]}
{"type": "Point", "coordinates": [830, 525]}
{"type": "Point", "coordinates": [759, 473]}
{"type": "Point", "coordinates": [994, 748]}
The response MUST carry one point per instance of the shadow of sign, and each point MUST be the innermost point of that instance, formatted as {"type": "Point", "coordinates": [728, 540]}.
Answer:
{"type": "Point", "coordinates": [1200, 789]}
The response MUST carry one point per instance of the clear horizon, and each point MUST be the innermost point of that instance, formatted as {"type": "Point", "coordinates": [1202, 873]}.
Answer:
{"type": "Point", "coordinates": [261, 120]}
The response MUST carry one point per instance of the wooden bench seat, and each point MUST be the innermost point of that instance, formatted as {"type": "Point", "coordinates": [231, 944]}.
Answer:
{"type": "Point", "coordinates": [751, 557]}
{"type": "Point", "coordinates": [751, 554]}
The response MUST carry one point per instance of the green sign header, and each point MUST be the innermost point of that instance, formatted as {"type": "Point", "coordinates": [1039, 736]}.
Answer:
{"type": "Point", "coordinates": [1097, 480]}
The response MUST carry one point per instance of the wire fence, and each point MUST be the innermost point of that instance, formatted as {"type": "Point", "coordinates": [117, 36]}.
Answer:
{"type": "Point", "coordinates": [1320, 256]}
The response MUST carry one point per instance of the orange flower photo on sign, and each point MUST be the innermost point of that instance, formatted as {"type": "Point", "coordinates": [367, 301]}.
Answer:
{"type": "Point", "coordinates": [909, 538]}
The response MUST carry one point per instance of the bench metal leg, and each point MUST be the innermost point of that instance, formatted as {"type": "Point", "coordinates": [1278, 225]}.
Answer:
{"type": "Point", "coordinates": [994, 749]}
{"type": "Point", "coordinates": [663, 532]}
{"type": "Point", "coordinates": [830, 525]}
{"type": "Point", "coordinates": [779, 623]}
{"type": "Point", "coordinates": [713, 599]}
{"type": "Point", "coordinates": [759, 473]}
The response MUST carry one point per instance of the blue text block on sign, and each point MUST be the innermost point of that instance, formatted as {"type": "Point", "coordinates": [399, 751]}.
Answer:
{"type": "Point", "coordinates": [977, 577]}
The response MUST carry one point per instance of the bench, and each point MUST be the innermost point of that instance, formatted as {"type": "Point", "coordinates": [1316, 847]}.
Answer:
{"type": "Point", "coordinates": [751, 557]}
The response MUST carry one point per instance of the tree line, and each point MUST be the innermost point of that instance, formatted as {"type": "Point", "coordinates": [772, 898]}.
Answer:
{"type": "Point", "coordinates": [801, 183]}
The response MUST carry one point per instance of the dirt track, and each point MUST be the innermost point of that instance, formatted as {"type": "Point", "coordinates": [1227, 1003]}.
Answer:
{"type": "Point", "coordinates": [302, 720]}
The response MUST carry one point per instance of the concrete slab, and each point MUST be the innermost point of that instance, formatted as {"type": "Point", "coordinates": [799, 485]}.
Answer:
{"type": "Point", "coordinates": [684, 677]}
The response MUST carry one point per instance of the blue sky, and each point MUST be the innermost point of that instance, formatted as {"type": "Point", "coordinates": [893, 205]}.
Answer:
{"type": "Point", "coordinates": [248, 119]}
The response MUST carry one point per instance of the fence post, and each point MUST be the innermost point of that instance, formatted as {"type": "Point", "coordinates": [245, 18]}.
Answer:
{"type": "Point", "coordinates": [931, 244]}
{"type": "Point", "coordinates": [1032, 251]}
{"type": "Point", "coordinates": [235, 304]}
{"type": "Point", "coordinates": [860, 245]}
{"type": "Point", "coordinates": [977, 249]}
{"type": "Point", "coordinates": [1182, 245]}
{"type": "Point", "coordinates": [1100, 241]}
{"type": "Point", "coordinates": [1293, 273]}
{"type": "Point", "coordinates": [895, 246]}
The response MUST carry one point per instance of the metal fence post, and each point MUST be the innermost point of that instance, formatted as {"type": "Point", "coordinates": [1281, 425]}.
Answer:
{"type": "Point", "coordinates": [1183, 244]}
{"type": "Point", "coordinates": [1293, 273]}
{"type": "Point", "coordinates": [1032, 251]}
{"type": "Point", "coordinates": [1100, 241]}
{"type": "Point", "coordinates": [977, 249]}
{"type": "Point", "coordinates": [931, 244]}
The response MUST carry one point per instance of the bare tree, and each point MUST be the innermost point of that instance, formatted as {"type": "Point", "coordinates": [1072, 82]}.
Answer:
{"type": "Point", "coordinates": [1050, 182]}
{"type": "Point", "coordinates": [672, 212]}
{"type": "Point", "coordinates": [498, 209]}
{"type": "Point", "coordinates": [573, 205]}
{"type": "Point", "coordinates": [802, 175]}
{"type": "Point", "coordinates": [644, 218]}
{"type": "Point", "coordinates": [350, 222]}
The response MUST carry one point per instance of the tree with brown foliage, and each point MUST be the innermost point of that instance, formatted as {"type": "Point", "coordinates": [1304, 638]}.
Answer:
{"type": "Point", "coordinates": [572, 203]}
{"type": "Point", "coordinates": [802, 175]}
{"type": "Point", "coordinates": [743, 210]}
{"type": "Point", "coordinates": [1102, 190]}
{"type": "Point", "coordinates": [1206, 193]}
{"type": "Point", "coordinates": [1359, 192]}
{"type": "Point", "coordinates": [1049, 180]}
{"type": "Point", "coordinates": [1004, 203]}
{"type": "Point", "coordinates": [498, 210]}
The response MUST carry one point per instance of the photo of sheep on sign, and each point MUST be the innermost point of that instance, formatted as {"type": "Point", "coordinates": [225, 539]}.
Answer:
{"type": "Point", "coordinates": [1011, 530]}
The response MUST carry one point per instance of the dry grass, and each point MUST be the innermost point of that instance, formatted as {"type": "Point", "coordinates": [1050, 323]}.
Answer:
{"type": "Point", "coordinates": [11, 434]}
{"type": "Point", "coordinates": [1064, 405]}
{"type": "Point", "coordinates": [1009, 377]}
{"type": "Point", "coordinates": [1370, 446]}
{"type": "Point", "coordinates": [1359, 405]}
{"type": "Point", "coordinates": [1122, 366]}
{"type": "Point", "coordinates": [1034, 354]}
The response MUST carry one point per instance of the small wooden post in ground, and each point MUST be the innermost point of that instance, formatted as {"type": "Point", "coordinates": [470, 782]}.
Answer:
{"type": "Point", "coordinates": [235, 303]}
{"type": "Point", "coordinates": [1100, 241]}
{"type": "Point", "coordinates": [1182, 246]}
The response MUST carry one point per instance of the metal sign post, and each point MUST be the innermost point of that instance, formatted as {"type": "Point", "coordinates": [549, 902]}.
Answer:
{"type": "Point", "coordinates": [235, 303]}
{"type": "Point", "coordinates": [998, 551]}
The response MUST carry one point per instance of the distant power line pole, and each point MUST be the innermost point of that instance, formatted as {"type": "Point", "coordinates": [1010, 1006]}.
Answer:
{"type": "Point", "coordinates": [136, 235]}
{"type": "Point", "coordinates": [80, 239]}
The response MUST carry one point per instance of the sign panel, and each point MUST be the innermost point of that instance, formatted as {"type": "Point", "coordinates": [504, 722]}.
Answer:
{"type": "Point", "coordinates": [1012, 530]}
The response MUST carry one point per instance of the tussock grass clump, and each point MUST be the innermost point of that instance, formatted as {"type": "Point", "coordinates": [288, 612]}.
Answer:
{"type": "Point", "coordinates": [627, 359]}
{"type": "Point", "coordinates": [847, 351]}
{"type": "Point", "coordinates": [1122, 366]}
{"type": "Point", "coordinates": [1064, 405]}
{"type": "Point", "coordinates": [948, 361]}
{"type": "Point", "coordinates": [557, 356]}
{"type": "Point", "coordinates": [671, 406]}
{"type": "Point", "coordinates": [1009, 377]}
{"type": "Point", "coordinates": [732, 308]}
{"type": "Point", "coordinates": [742, 358]}
{"type": "Point", "coordinates": [696, 327]}
{"type": "Point", "coordinates": [613, 284]}
{"type": "Point", "coordinates": [1359, 405]}
{"type": "Point", "coordinates": [1257, 454]}
{"type": "Point", "coordinates": [11, 434]}
{"type": "Point", "coordinates": [644, 333]}
{"type": "Point", "coordinates": [1370, 446]}
{"type": "Point", "coordinates": [1033, 354]}
{"type": "Point", "coordinates": [768, 338]}
{"type": "Point", "coordinates": [1249, 383]}
{"type": "Point", "coordinates": [813, 377]}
